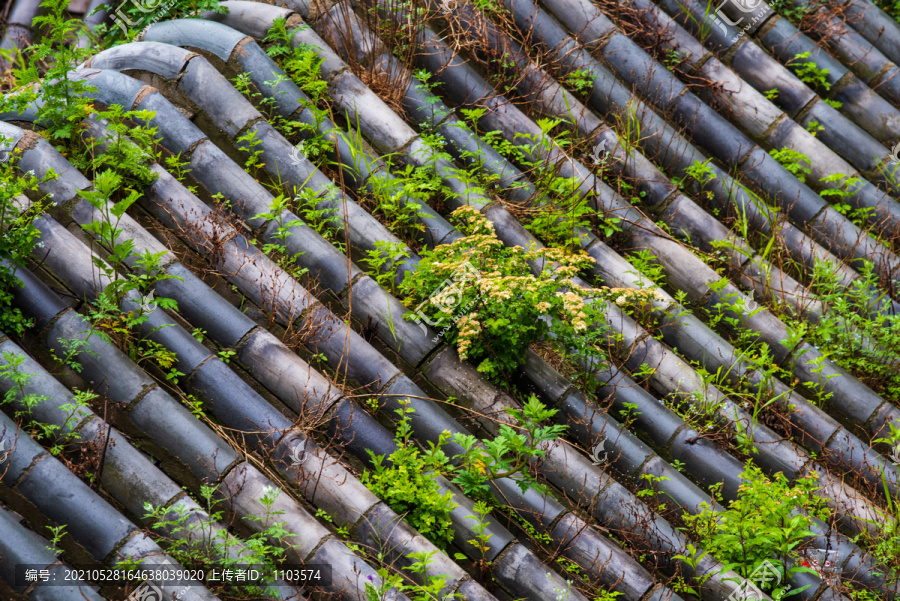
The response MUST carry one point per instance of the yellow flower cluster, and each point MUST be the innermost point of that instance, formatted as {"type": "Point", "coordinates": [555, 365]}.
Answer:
{"type": "Point", "coordinates": [474, 222]}
{"type": "Point", "coordinates": [498, 287]}
{"type": "Point", "coordinates": [440, 300]}
{"type": "Point", "coordinates": [485, 273]}
{"type": "Point", "coordinates": [469, 328]}
{"type": "Point", "coordinates": [479, 241]}
{"type": "Point", "coordinates": [573, 305]}
{"type": "Point", "coordinates": [563, 257]}
{"type": "Point", "coordinates": [625, 295]}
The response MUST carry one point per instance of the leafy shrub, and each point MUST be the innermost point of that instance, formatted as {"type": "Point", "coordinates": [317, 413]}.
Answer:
{"type": "Point", "coordinates": [430, 589]}
{"type": "Point", "coordinates": [128, 150]}
{"type": "Point", "coordinates": [133, 17]}
{"type": "Point", "coordinates": [509, 454]}
{"type": "Point", "coordinates": [809, 72]}
{"type": "Point", "coordinates": [19, 239]}
{"type": "Point", "coordinates": [791, 11]}
{"type": "Point", "coordinates": [303, 65]}
{"type": "Point", "coordinates": [795, 162]}
{"type": "Point", "coordinates": [492, 306]}
{"type": "Point", "coordinates": [398, 197]}
{"type": "Point", "coordinates": [53, 58]}
{"type": "Point", "coordinates": [767, 522]}
{"type": "Point", "coordinates": [891, 7]}
{"type": "Point", "coordinates": [561, 208]}
{"type": "Point", "coordinates": [854, 335]}
{"type": "Point", "coordinates": [407, 483]}
{"type": "Point", "coordinates": [383, 261]}
{"type": "Point", "coordinates": [580, 80]}
{"type": "Point", "coordinates": [194, 541]}
{"type": "Point", "coordinates": [562, 225]}
{"type": "Point", "coordinates": [882, 538]}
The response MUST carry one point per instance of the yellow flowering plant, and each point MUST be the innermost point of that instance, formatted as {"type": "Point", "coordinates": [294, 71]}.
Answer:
{"type": "Point", "coordinates": [489, 302]}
